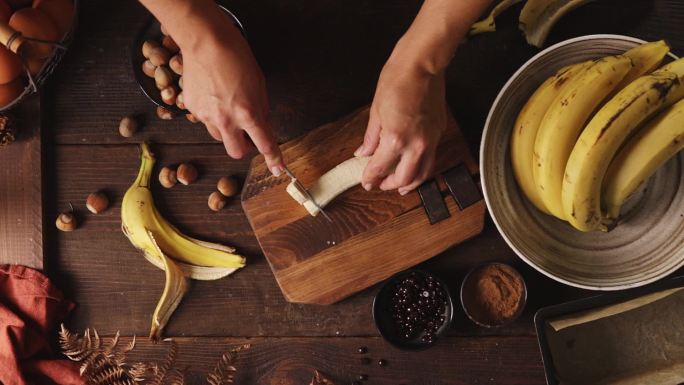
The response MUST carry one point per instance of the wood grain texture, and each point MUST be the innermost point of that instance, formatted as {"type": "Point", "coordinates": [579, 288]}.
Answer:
{"type": "Point", "coordinates": [21, 204]}
{"type": "Point", "coordinates": [371, 235]}
{"type": "Point", "coordinates": [291, 361]}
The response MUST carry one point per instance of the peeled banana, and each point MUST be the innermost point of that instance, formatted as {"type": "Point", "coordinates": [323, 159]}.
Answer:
{"type": "Point", "coordinates": [488, 24]}
{"type": "Point", "coordinates": [648, 150]}
{"type": "Point", "coordinates": [605, 133]}
{"type": "Point", "coordinates": [539, 16]}
{"type": "Point", "coordinates": [180, 256]}
{"type": "Point", "coordinates": [526, 127]}
{"type": "Point", "coordinates": [561, 125]}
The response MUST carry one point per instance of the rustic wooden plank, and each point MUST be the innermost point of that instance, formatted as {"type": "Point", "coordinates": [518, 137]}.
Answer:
{"type": "Point", "coordinates": [291, 361]}
{"type": "Point", "coordinates": [21, 205]}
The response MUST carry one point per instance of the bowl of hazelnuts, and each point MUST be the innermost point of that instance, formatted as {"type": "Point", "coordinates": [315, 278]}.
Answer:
{"type": "Point", "coordinates": [158, 67]}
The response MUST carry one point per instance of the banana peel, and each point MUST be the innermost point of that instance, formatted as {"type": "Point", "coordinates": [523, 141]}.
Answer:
{"type": "Point", "coordinates": [488, 24]}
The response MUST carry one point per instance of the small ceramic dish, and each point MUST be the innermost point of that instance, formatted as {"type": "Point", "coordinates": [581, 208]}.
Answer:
{"type": "Point", "coordinates": [467, 294]}
{"type": "Point", "coordinates": [152, 31]}
{"type": "Point", "coordinates": [383, 312]}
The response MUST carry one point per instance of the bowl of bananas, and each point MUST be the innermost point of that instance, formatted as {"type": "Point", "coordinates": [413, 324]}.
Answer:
{"type": "Point", "coordinates": [581, 165]}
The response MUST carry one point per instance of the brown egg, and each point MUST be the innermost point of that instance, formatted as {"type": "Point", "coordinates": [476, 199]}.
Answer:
{"type": "Point", "coordinates": [10, 66]}
{"type": "Point", "coordinates": [10, 91]}
{"type": "Point", "coordinates": [61, 12]}
{"type": "Point", "coordinates": [5, 11]}
{"type": "Point", "coordinates": [34, 23]}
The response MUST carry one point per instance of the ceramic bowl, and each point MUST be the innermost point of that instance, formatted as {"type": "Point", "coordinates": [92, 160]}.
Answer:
{"type": "Point", "coordinates": [647, 243]}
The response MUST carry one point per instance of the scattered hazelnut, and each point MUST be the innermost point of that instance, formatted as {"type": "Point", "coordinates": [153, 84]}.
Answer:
{"type": "Point", "coordinates": [163, 30]}
{"type": "Point", "coordinates": [228, 186]}
{"type": "Point", "coordinates": [216, 201]}
{"type": "Point", "coordinates": [179, 101]}
{"type": "Point", "coordinates": [180, 82]}
{"type": "Point", "coordinates": [164, 114]}
{"type": "Point", "coordinates": [97, 202]}
{"type": "Point", "coordinates": [167, 177]}
{"type": "Point", "coordinates": [170, 44]}
{"type": "Point", "coordinates": [148, 68]}
{"type": "Point", "coordinates": [159, 56]}
{"type": "Point", "coordinates": [186, 173]}
{"type": "Point", "coordinates": [176, 64]}
{"type": "Point", "coordinates": [147, 47]}
{"type": "Point", "coordinates": [168, 95]}
{"type": "Point", "coordinates": [128, 126]}
{"type": "Point", "coordinates": [66, 221]}
{"type": "Point", "coordinates": [162, 77]}
{"type": "Point", "coordinates": [191, 118]}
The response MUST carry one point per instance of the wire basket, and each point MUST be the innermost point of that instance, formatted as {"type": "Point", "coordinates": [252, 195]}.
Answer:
{"type": "Point", "coordinates": [35, 82]}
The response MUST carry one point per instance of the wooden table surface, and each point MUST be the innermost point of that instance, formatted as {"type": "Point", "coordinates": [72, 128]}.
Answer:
{"type": "Point", "coordinates": [321, 60]}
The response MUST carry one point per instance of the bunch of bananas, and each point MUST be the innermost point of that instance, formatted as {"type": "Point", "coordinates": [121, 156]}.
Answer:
{"type": "Point", "coordinates": [163, 245]}
{"type": "Point", "coordinates": [592, 133]}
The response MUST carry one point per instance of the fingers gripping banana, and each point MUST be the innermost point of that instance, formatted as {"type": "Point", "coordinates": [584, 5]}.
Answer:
{"type": "Point", "coordinates": [139, 214]}
{"type": "Point", "coordinates": [604, 135]}
{"type": "Point", "coordinates": [564, 120]}
{"type": "Point", "coordinates": [647, 151]}
{"type": "Point", "coordinates": [527, 125]}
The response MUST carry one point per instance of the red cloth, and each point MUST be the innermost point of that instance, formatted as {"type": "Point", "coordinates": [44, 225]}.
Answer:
{"type": "Point", "coordinates": [30, 310]}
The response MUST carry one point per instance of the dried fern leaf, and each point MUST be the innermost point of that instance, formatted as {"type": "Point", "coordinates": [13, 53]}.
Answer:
{"type": "Point", "coordinates": [107, 376]}
{"type": "Point", "coordinates": [224, 372]}
{"type": "Point", "coordinates": [168, 363]}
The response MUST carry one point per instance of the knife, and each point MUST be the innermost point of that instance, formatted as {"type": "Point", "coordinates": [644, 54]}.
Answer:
{"type": "Point", "coordinates": [305, 192]}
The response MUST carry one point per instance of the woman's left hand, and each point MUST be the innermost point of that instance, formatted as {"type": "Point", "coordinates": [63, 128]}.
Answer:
{"type": "Point", "coordinates": [407, 119]}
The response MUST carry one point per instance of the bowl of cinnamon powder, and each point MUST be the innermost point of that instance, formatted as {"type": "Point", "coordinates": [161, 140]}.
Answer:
{"type": "Point", "coordinates": [493, 294]}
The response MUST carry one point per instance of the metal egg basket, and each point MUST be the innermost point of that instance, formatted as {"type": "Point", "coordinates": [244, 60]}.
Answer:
{"type": "Point", "coordinates": [60, 47]}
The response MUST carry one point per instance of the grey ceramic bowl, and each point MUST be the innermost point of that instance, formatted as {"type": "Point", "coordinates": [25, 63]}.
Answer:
{"type": "Point", "coordinates": [647, 243]}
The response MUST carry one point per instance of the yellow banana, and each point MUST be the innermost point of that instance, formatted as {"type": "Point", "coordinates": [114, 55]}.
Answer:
{"type": "Point", "coordinates": [175, 287]}
{"type": "Point", "coordinates": [526, 126]}
{"type": "Point", "coordinates": [645, 58]}
{"type": "Point", "coordinates": [139, 215]}
{"type": "Point", "coordinates": [652, 146]}
{"type": "Point", "coordinates": [488, 24]}
{"type": "Point", "coordinates": [605, 133]}
{"type": "Point", "coordinates": [539, 16]}
{"type": "Point", "coordinates": [563, 122]}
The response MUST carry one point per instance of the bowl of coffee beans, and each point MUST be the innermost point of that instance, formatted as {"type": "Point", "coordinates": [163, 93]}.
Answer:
{"type": "Point", "coordinates": [412, 309]}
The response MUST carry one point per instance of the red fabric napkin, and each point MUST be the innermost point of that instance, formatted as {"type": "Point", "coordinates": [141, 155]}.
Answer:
{"type": "Point", "coordinates": [30, 309]}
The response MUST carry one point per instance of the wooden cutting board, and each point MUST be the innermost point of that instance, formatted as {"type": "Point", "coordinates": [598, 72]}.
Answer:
{"type": "Point", "coordinates": [372, 235]}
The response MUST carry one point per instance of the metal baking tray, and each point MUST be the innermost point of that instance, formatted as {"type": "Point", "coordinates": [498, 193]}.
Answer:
{"type": "Point", "coordinates": [564, 309]}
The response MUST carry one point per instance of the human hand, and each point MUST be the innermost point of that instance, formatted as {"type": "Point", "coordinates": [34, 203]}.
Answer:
{"type": "Point", "coordinates": [225, 89]}
{"type": "Point", "coordinates": [407, 118]}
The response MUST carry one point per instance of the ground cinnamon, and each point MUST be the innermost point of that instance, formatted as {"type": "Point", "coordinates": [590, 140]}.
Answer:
{"type": "Point", "coordinates": [493, 294]}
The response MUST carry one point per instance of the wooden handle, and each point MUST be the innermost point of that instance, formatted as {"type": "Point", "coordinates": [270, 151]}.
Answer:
{"type": "Point", "coordinates": [13, 40]}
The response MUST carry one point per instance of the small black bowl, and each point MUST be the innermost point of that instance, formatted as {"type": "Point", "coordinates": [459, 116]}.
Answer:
{"type": "Point", "coordinates": [382, 313]}
{"type": "Point", "coordinates": [152, 31]}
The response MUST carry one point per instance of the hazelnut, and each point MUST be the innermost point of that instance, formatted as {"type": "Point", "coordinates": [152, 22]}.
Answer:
{"type": "Point", "coordinates": [228, 186]}
{"type": "Point", "coordinates": [180, 82]}
{"type": "Point", "coordinates": [191, 118]}
{"type": "Point", "coordinates": [147, 47]}
{"type": "Point", "coordinates": [167, 177]}
{"type": "Point", "coordinates": [168, 95]}
{"type": "Point", "coordinates": [179, 101]}
{"type": "Point", "coordinates": [216, 201]}
{"type": "Point", "coordinates": [128, 126]}
{"type": "Point", "coordinates": [97, 202]}
{"type": "Point", "coordinates": [163, 77]}
{"type": "Point", "coordinates": [159, 56]}
{"type": "Point", "coordinates": [176, 64]}
{"type": "Point", "coordinates": [66, 221]}
{"type": "Point", "coordinates": [170, 44]}
{"type": "Point", "coordinates": [186, 173]}
{"type": "Point", "coordinates": [148, 68]}
{"type": "Point", "coordinates": [164, 114]}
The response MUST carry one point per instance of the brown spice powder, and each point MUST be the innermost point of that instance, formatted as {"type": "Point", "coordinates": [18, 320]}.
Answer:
{"type": "Point", "coordinates": [493, 294]}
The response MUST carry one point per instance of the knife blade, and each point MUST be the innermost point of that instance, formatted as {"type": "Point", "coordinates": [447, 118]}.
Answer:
{"type": "Point", "coordinates": [306, 193]}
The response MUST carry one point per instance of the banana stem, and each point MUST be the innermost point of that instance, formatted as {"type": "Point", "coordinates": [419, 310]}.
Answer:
{"type": "Point", "coordinates": [146, 166]}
